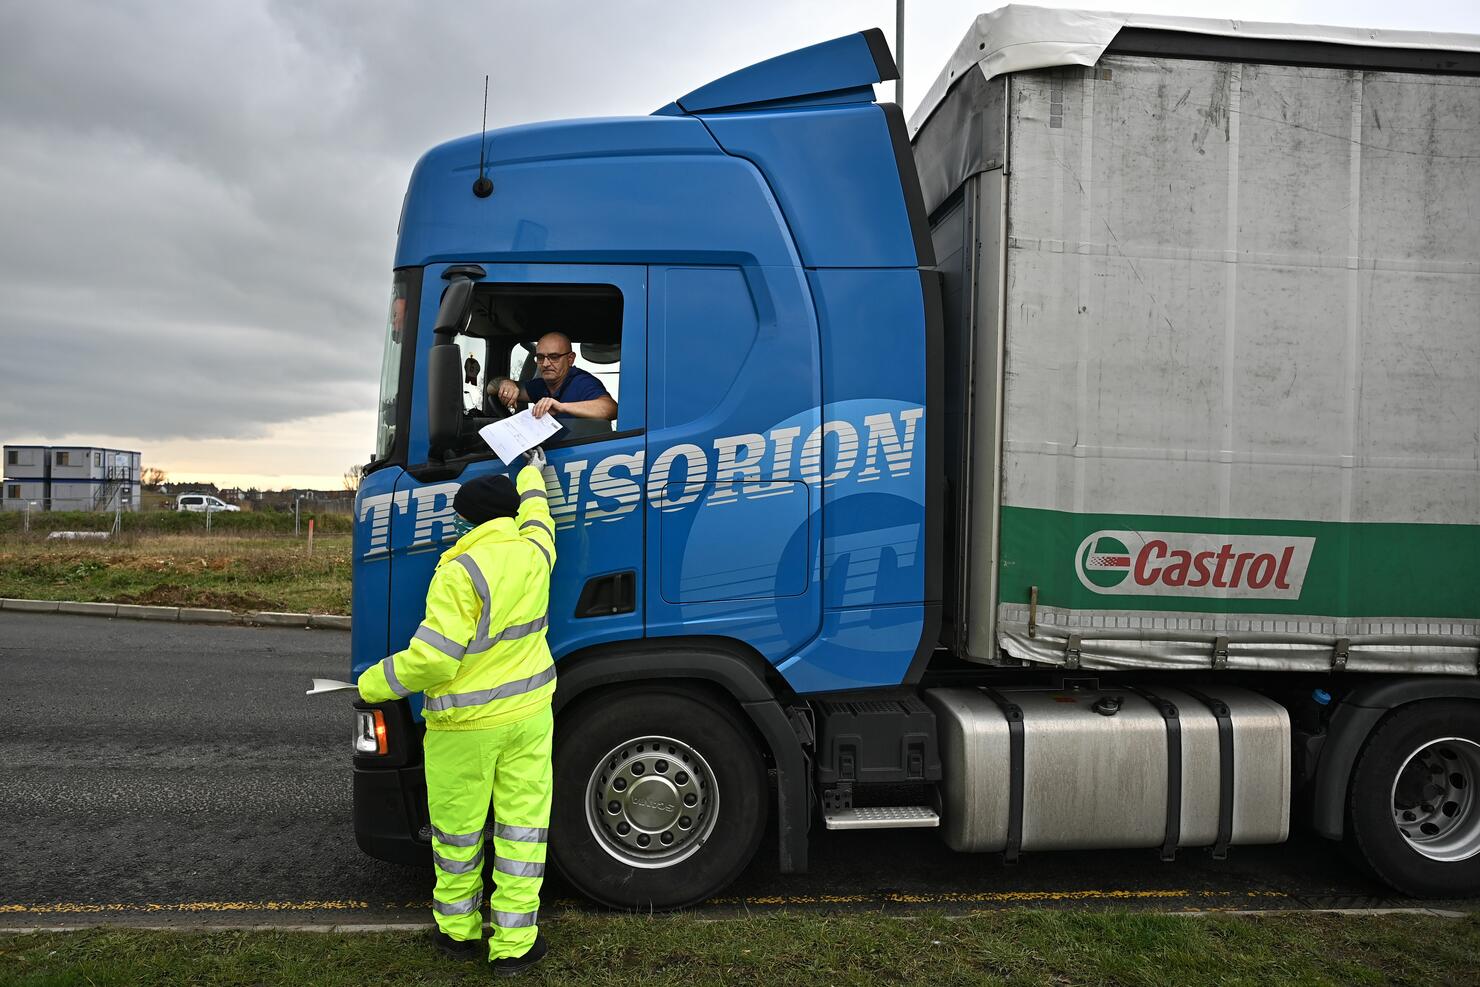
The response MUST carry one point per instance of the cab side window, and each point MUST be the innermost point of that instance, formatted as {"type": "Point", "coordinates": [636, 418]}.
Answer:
{"type": "Point", "coordinates": [524, 342]}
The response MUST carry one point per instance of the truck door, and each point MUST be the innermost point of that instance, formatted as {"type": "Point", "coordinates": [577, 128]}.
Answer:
{"type": "Point", "coordinates": [734, 396]}
{"type": "Point", "coordinates": [595, 474]}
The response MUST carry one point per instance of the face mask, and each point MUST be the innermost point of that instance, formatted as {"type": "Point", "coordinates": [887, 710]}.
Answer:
{"type": "Point", "coordinates": [461, 526]}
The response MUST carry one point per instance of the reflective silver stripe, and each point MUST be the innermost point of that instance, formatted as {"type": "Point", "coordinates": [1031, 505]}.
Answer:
{"type": "Point", "coordinates": [518, 868]}
{"type": "Point", "coordinates": [446, 645]}
{"type": "Point", "coordinates": [543, 551]}
{"type": "Point", "coordinates": [520, 834]}
{"type": "Point", "coordinates": [457, 839]}
{"type": "Point", "coordinates": [535, 522]}
{"type": "Point", "coordinates": [481, 585]}
{"type": "Point", "coordinates": [504, 691]}
{"type": "Point", "coordinates": [511, 633]}
{"type": "Point", "coordinates": [522, 630]}
{"type": "Point", "coordinates": [532, 493]}
{"type": "Point", "coordinates": [388, 665]}
{"type": "Point", "coordinates": [451, 866]}
{"type": "Point", "coordinates": [459, 907]}
{"type": "Point", "coordinates": [515, 920]}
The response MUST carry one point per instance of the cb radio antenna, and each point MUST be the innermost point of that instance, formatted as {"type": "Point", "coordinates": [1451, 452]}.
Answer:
{"type": "Point", "coordinates": [483, 188]}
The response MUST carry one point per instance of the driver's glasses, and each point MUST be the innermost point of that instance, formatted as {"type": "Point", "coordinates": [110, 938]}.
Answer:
{"type": "Point", "coordinates": [550, 357]}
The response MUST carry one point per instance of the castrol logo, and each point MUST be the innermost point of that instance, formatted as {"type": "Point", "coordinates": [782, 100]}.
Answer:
{"type": "Point", "coordinates": [1180, 563]}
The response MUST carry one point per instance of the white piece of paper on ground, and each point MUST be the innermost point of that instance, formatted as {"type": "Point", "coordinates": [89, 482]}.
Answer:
{"type": "Point", "coordinates": [329, 685]}
{"type": "Point", "coordinates": [511, 437]}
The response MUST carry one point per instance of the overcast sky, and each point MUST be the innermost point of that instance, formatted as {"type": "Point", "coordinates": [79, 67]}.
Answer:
{"type": "Point", "coordinates": [198, 200]}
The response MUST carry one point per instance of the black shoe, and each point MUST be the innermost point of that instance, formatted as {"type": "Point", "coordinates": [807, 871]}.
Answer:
{"type": "Point", "coordinates": [512, 965]}
{"type": "Point", "coordinates": [458, 949]}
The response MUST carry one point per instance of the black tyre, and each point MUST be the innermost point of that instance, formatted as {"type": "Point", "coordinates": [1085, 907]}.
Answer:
{"type": "Point", "coordinates": [660, 798]}
{"type": "Point", "coordinates": [1415, 800]}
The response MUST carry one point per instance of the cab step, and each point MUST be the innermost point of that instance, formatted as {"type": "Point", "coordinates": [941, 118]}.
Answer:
{"type": "Point", "coordinates": [882, 817]}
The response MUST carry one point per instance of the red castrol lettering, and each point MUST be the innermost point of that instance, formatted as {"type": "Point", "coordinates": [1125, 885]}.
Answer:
{"type": "Point", "coordinates": [1196, 564]}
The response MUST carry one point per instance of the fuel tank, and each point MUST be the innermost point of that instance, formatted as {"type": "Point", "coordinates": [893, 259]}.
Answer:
{"type": "Point", "coordinates": [1097, 769]}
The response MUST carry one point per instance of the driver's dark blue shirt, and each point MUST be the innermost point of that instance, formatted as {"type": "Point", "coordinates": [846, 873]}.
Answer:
{"type": "Point", "coordinates": [578, 385]}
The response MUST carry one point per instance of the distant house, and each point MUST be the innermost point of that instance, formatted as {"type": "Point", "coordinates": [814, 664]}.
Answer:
{"type": "Point", "coordinates": [70, 478]}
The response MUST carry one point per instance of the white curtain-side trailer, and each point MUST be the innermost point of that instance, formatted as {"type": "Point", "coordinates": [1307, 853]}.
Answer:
{"type": "Point", "coordinates": [1212, 298]}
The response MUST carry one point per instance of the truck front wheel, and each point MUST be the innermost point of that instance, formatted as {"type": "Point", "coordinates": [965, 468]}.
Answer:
{"type": "Point", "coordinates": [1415, 800]}
{"type": "Point", "coordinates": [660, 798]}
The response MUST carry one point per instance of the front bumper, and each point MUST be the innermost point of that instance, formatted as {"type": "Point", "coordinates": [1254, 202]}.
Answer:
{"type": "Point", "coordinates": [390, 812]}
{"type": "Point", "coordinates": [390, 793]}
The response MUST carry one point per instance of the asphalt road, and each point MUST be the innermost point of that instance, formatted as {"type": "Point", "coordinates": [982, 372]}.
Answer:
{"type": "Point", "coordinates": [176, 773]}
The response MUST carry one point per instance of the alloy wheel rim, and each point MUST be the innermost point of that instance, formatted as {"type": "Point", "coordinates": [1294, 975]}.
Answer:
{"type": "Point", "coordinates": [652, 802]}
{"type": "Point", "coordinates": [1434, 799]}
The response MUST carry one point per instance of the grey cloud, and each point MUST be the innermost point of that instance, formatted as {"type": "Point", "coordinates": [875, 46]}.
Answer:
{"type": "Point", "coordinates": [200, 199]}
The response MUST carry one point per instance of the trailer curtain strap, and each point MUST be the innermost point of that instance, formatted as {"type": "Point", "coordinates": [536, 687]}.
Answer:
{"type": "Point", "coordinates": [459, 699]}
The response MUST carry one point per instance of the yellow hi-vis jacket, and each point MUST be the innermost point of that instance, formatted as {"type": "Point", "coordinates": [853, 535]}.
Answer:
{"type": "Point", "coordinates": [480, 655]}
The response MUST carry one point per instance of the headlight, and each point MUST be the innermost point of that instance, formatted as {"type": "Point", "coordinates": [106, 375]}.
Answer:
{"type": "Point", "coordinates": [369, 731]}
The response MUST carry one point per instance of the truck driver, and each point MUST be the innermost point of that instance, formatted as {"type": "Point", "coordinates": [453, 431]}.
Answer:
{"type": "Point", "coordinates": [562, 388]}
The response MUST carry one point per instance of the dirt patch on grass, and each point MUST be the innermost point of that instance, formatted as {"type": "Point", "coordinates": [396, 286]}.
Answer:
{"type": "Point", "coordinates": [168, 595]}
{"type": "Point", "coordinates": [218, 572]}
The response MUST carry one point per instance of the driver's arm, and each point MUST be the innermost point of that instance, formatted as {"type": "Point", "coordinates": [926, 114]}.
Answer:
{"type": "Point", "coordinates": [602, 408]}
{"type": "Point", "coordinates": [510, 392]}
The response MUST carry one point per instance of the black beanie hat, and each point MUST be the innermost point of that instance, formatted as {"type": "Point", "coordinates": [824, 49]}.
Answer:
{"type": "Point", "coordinates": [486, 498]}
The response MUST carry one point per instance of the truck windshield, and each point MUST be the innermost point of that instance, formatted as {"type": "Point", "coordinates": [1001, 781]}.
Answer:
{"type": "Point", "coordinates": [400, 327]}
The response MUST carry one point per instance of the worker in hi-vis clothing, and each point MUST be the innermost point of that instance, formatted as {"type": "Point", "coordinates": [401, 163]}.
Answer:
{"type": "Point", "coordinates": [481, 659]}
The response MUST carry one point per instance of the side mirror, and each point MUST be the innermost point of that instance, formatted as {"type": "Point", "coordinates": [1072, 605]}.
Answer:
{"type": "Point", "coordinates": [444, 368]}
{"type": "Point", "coordinates": [457, 305]}
{"type": "Point", "coordinates": [444, 394]}
{"type": "Point", "coordinates": [602, 354]}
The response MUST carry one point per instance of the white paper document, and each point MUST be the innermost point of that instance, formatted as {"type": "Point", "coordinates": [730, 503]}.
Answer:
{"type": "Point", "coordinates": [329, 685]}
{"type": "Point", "coordinates": [511, 437]}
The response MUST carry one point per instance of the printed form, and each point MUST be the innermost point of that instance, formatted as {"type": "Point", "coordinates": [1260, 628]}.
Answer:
{"type": "Point", "coordinates": [511, 437]}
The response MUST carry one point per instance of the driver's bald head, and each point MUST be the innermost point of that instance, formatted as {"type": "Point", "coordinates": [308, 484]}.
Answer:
{"type": "Point", "coordinates": [554, 342]}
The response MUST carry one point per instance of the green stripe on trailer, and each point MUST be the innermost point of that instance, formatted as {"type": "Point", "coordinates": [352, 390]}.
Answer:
{"type": "Point", "coordinates": [1238, 565]}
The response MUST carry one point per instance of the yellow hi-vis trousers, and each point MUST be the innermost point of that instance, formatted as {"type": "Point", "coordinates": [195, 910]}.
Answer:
{"type": "Point", "coordinates": [509, 766]}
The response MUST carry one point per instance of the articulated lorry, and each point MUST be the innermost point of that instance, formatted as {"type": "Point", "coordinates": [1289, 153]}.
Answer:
{"type": "Point", "coordinates": [1095, 466]}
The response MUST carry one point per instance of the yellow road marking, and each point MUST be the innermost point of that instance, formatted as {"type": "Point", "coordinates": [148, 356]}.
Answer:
{"type": "Point", "coordinates": [1227, 898]}
{"type": "Point", "coordinates": [80, 907]}
{"type": "Point", "coordinates": [979, 897]}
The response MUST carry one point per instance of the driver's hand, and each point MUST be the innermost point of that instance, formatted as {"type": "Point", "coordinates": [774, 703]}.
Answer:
{"type": "Point", "coordinates": [508, 392]}
{"type": "Point", "coordinates": [545, 406]}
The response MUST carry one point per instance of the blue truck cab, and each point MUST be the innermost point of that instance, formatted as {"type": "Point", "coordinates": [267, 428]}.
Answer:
{"type": "Point", "coordinates": [748, 272]}
{"type": "Point", "coordinates": [820, 570]}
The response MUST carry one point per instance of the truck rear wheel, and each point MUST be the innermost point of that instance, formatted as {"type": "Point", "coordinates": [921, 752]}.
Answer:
{"type": "Point", "coordinates": [1415, 800]}
{"type": "Point", "coordinates": [660, 799]}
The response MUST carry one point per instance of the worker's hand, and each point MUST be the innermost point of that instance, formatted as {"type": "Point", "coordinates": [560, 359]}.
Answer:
{"type": "Point", "coordinates": [508, 392]}
{"type": "Point", "coordinates": [545, 406]}
{"type": "Point", "coordinates": [536, 457]}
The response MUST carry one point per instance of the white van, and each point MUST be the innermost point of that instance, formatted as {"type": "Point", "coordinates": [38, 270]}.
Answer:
{"type": "Point", "coordinates": [203, 502]}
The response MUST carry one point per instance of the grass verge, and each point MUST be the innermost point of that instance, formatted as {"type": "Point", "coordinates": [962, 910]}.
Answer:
{"type": "Point", "coordinates": [1001, 947]}
{"type": "Point", "coordinates": [219, 570]}
{"type": "Point", "coordinates": [172, 522]}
